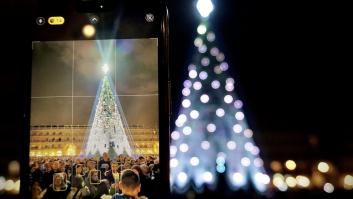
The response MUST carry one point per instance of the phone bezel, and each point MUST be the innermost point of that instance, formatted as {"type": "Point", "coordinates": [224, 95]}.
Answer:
{"type": "Point", "coordinates": [160, 30]}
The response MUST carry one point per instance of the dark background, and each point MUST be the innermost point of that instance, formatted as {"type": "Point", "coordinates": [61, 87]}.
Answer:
{"type": "Point", "coordinates": [291, 60]}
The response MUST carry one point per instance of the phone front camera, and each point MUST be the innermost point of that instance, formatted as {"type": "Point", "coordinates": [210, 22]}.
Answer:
{"type": "Point", "coordinates": [94, 20]}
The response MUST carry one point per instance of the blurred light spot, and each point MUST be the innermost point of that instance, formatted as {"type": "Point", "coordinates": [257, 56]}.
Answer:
{"type": "Point", "coordinates": [197, 85]}
{"type": "Point", "coordinates": [179, 123]}
{"type": "Point", "coordinates": [276, 166]}
{"type": "Point", "coordinates": [258, 162]}
{"type": "Point", "coordinates": [224, 66]}
{"type": "Point", "coordinates": [2, 183]}
{"type": "Point", "coordinates": [198, 42]}
{"type": "Point", "coordinates": [231, 145]}
{"type": "Point", "coordinates": [238, 179]}
{"type": "Point", "coordinates": [175, 135]}
{"type": "Point", "coordinates": [262, 178]}
{"type": "Point", "coordinates": [205, 145]}
{"type": "Point", "coordinates": [186, 92]}
{"type": "Point", "coordinates": [248, 146]}
{"type": "Point", "coordinates": [248, 133]}
{"type": "Point", "coordinates": [211, 36]}
{"type": "Point", "coordinates": [215, 84]}
{"type": "Point", "coordinates": [221, 168]}
{"type": "Point", "coordinates": [245, 161]}
{"type": "Point", "coordinates": [229, 80]}
{"type": "Point", "coordinates": [238, 104]}
{"type": "Point", "coordinates": [186, 103]}
{"type": "Point", "coordinates": [16, 189]}
{"type": "Point", "coordinates": [220, 57]}
{"type": "Point", "coordinates": [88, 31]}
{"type": "Point", "coordinates": [239, 115]}
{"type": "Point", "coordinates": [204, 98]}
{"type": "Point", "coordinates": [211, 127]}
{"type": "Point", "coordinates": [194, 161]}
{"type": "Point", "coordinates": [348, 182]}
{"type": "Point", "coordinates": [255, 150]}
{"type": "Point", "coordinates": [278, 181]}
{"type": "Point", "coordinates": [191, 67]}
{"type": "Point", "coordinates": [237, 128]}
{"type": "Point", "coordinates": [290, 164]}
{"type": "Point", "coordinates": [194, 114]}
{"type": "Point", "coordinates": [323, 167]}
{"type": "Point", "coordinates": [14, 168]}
{"type": "Point", "coordinates": [228, 99]}
{"type": "Point", "coordinates": [207, 177]}
{"type": "Point", "coordinates": [184, 147]}
{"type": "Point", "coordinates": [329, 188]}
{"type": "Point", "coordinates": [205, 61]}
{"type": "Point", "coordinates": [203, 48]}
{"type": "Point", "coordinates": [187, 84]}
{"type": "Point", "coordinates": [182, 177]}
{"type": "Point", "coordinates": [229, 87]}
{"type": "Point", "coordinates": [203, 75]}
{"type": "Point", "coordinates": [174, 162]}
{"type": "Point", "coordinates": [192, 74]}
{"type": "Point", "coordinates": [220, 112]}
{"type": "Point", "coordinates": [187, 130]}
{"type": "Point", "coordinates": [9, 185]}
{"type": "Point", "coordinates": [303, 181]}
{"type": "Point", "coordinates": [220, 160]}
{"type": "Point", "coordinates": [173, 150]}
{"type": "Point", "coordinates": [205, 7]}
{"type": "Point", "coordinates": [201, 29]}
{"type": "Point", "coordinates": [291, 181]}
{"type": "Point", "coordinates": [217, 70]}
{"type": "Point", "coordinates": [317, 179]}
{"type": "Point", "coordinates": [214, 51]}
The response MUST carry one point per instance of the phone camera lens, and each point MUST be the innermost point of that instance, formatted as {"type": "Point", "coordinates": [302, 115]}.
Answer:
{"type": "Point", "coordinates": [40, 21]}
{"type": "Point", "coordinates": [149, 17]}
{"type": "Point", "coordinates": [93, 19]}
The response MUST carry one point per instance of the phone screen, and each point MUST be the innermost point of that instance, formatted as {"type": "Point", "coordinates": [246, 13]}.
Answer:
{"type": "Point", "coordinates": [95, 106]}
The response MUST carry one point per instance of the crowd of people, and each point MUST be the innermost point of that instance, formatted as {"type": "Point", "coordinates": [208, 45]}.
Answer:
{"type": "Point", "coordinates": [94, 178]}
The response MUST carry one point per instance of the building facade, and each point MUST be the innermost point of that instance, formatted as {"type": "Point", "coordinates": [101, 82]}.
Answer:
{"type": "Point", "coordinates": [68, 140]}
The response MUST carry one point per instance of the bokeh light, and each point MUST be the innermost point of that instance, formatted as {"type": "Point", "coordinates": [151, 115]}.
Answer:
{"type": "Point", "coordinates": [290, 164]}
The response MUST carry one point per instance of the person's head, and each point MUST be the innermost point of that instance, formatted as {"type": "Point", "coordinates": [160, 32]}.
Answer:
{"type": "Point", "coordinates": [58, 181]}
{"type": "Point", "coordinates": [141, 160]}
{"type": "Point", "coordinates": [138, 169]}
{"type": "Point", "coordinates": [95, 176]}
{"type": "Point", "coordinates": [114, 167]}
{"type": "Point", "coordinates": [79, 169]}
{"type": "Point", "coordinates": [127, 165]}
{"type": "Point", "coordinates": [105, 156]}
{"type": "Point", "coordinates": [77, 182]}
{"type": "Point", "coordinates": [91, 164]}
{"type": "Point", "coordinates": [145, 169]}
{"type": "Point", "coordinates": [55, 165]}
{"type": "Point", "coordinates": [130, 182]}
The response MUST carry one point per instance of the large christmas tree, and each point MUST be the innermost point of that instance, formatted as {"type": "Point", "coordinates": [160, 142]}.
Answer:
{"type": "Point", "coordinates": [109, 131]}
{"type": "Point", "coordinates": [211, 134]}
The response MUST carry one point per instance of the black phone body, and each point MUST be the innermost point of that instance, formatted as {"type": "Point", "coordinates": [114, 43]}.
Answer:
{"type": "Point", "coordinates": [98, 86]}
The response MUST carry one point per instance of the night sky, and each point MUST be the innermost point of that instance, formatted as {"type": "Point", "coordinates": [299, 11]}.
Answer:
{"type": "Point", "coordinates": [62, 69]}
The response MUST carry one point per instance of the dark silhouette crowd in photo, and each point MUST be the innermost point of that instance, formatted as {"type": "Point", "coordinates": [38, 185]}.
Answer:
{"type": "Point", "coordinates": [94, 178]}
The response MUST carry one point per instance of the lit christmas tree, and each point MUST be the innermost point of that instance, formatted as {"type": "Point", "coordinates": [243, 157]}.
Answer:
{"type": "Point", "coordinates": [109, 131]}
{"type": "Point", "coordinates": [211, 134]}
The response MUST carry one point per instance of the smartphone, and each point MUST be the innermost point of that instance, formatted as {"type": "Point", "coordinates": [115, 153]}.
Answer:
{"type": "Point", "coordinates": [99, 89]}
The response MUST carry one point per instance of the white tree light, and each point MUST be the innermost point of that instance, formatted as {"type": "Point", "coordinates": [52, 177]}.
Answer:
{"type": "Point", "coordinates": [205, 7]}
